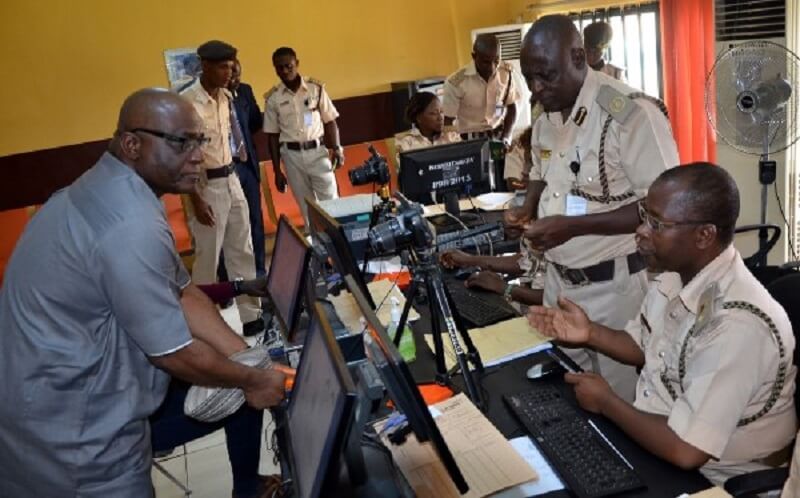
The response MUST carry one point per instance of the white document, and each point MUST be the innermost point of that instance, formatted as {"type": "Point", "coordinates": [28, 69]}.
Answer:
{"type": "Point", "coordinates": [494, 201]}
{"type": "Point", "coordinates": [548, 480]}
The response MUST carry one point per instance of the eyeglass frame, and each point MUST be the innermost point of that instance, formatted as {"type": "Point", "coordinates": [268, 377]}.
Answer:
{"type": "Point", "coordinates": [657, 225]}
{"type": "Point", "coordinates": [194, 142]}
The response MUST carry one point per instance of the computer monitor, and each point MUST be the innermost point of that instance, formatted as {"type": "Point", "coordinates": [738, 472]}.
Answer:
{"type": "Point", "coordinates": [321, 410]}
{"type": "Point", "coordinates": [328, 231]}
{"type": "Point", "coordinates": [449, 170]}
{"type": "Point", "coordinates": [402, 389]}
{"type": "Point", "coordinates": [287, 275]}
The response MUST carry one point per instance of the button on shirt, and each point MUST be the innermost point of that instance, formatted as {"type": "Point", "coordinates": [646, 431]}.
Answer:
{"type": "Point", "coordinates": [216, 117]}
{"type": "Point", "coordinates": [476, 104]}
{"type": "Point", "coordinates": [730, 365]}
{"type": "Point", "coordinates": [91, 290]}
{"type": "Point", "coordinates": [298, 117]}
{"type": "Point", "coordinates": [636, 152]}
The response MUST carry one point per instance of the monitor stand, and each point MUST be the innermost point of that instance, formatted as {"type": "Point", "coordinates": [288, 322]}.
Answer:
{"type": "Point", "coordinates": [444, 223]}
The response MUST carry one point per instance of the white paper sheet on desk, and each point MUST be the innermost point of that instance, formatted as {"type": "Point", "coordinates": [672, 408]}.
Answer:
{"type": "Point", "coordinates": [436, 209]}
{"type": "Point", "coordinates": [715, 492]}
{"type": "Point", "coordinates": [494, 201]}
{"type": "Point", "coordinates": [548, 480]}
{"type": "Point", "coordinates": [384, 265]}
{"type": "Point", "coordinates": [498, 343]}
{"type": "Point", "coordinates": [349, 314]}
{"type": "Point", "coordinates": [486, 459]}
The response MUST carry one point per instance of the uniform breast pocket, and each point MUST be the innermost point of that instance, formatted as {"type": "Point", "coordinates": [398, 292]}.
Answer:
{"type": "Point", "coordinates": [286, 113]}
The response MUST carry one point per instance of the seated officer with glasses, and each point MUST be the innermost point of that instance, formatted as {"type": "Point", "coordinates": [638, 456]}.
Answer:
{"type": "Point", "coordinates": [715, 350]}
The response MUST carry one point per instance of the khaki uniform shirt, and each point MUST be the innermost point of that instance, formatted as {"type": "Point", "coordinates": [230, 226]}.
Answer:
{"type": "Point", "coordinates": [216, 116]}
{"type": "Point", "coordinates": [476, 104]}
{"type": "Point", "coordinates": [298, 117]}
{"type": "Point", "coordinates": [413, 140]}
{"type": "Point", "coordinates": [636, 152]}
{"type": "Point", "coordinates": [518, 162]}
{"type": "Point", "coordinates": [730, 365]}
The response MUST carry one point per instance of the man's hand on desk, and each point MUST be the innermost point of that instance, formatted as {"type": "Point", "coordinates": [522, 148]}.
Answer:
{"type": "Point", "coordinates": [455, 258]}
{"type": "Point", "coordinates": [551, 231]}
{"type": "Point", "coordinates": [265, 388]}
{"type": "Point", "coordinates": [568, 323]}
{"type": "Point", "coordinates": [487, 280]}
{"type": "Point", "coordinates": [592, 391]}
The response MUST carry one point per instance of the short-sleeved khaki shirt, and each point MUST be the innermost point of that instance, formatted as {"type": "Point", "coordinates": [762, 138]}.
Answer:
{"type": "Point", "coordinates": [635, 153]}
{"type": "Point", "coordinates": [413, 140]}
{"type": "Point", "coordinates": [216, 117]}
{"type": "Point", "coordinates": [728, 368]}
{"type": "Point", "coordinates": [476, 104]}
{"type": "Point", "coordinates": [298, 117]}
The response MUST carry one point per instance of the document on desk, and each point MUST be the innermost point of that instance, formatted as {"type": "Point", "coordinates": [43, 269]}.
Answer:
{"type": "Point", "coordinates": [504, 341]}
{"type": "Point", "coordinates": [437, 209]}
{"type": "Point", "coordinates": [347, 309]}
{"type": "Point", "coordinates": [548, 480]}
{"type": "Point", "coordinates": [494, 201]}
{"type": "Point", "coordinates": [487, 460]}
{"type": "Point", "coordinates": [715, 492]}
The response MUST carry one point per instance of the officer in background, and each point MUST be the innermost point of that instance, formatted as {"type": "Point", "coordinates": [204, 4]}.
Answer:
{"type": "Point", "coordinates": [219, 217]}
{"type": "Point", "coordinates": [595, 152]}
{"type": "Point", "coordinates": [596, 38]}
{"type": "Point", "coordinates": [300, 122]}
{"type": "Point", "coordinates": [481, 96]}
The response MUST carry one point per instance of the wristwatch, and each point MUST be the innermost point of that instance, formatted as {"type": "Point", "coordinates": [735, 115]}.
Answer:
{"type": "Point", "coordinates": [507, 293]}
{"type": "Point", "coordinates": [237, 285]}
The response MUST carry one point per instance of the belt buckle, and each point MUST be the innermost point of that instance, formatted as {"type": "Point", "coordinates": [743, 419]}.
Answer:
{"type": "Point", "coordinates": [575, 276]}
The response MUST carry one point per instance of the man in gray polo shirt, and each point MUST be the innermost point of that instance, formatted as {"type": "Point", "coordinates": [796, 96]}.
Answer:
{"type": "Point", "coordinates": [97, 312]}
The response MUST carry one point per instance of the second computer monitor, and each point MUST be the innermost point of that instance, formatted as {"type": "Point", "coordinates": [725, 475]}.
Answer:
{"type": "Point", "coordinates": [461, 167]}
{"type": "Point", "coordinates": [287, 275]}
{"type": "Point", "coordinates": [331, 233]}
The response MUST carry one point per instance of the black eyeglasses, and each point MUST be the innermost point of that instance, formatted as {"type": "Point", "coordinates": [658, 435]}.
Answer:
{"type": "Point", "coordinates": [657, 225]}
{"type": "Point", "coordinates": [185, 144]}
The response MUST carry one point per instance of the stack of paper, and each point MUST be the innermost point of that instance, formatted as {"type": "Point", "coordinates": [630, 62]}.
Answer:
{"type": "Point", "coordinates": [498, 343]}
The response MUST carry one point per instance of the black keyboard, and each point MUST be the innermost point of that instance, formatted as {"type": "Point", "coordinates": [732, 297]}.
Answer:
{"type": "Point", "coordinates": [479, 236]}
{"type": "Point", "coordinates": [586, 462]}
{"type": "Point", "coordinates": [477, 307]}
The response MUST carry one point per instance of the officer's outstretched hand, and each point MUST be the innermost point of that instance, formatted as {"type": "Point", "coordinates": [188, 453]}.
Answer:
{"type": "Point", "coordinates": [548, 232]}
{"type": "Point", "coordinates": [455, 258]}
{"type": "Point", "coordinates": [266, 388]}
{"type": "Point", "coordinates": [280, 181]}
{"type": "Point", "coordinates": [568, 323]}
{"type": "Point", "coordinates": [592, 391]}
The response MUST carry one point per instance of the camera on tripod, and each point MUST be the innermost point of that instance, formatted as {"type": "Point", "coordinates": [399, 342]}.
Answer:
{"type": "Point", "coordinates": [406, 229]}
{"type": "Point", "coordinates": [374, 170]}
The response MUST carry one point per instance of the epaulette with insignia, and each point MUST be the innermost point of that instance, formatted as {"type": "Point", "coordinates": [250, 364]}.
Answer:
{"type": "Point", "coordinates": [457, 77]}
{"type": "Point", "coordinates": [269, 92]}
{"type": "Point", "coordinates": [315, 81]}
{"type": "Point", "coordinates": [507, 66]}
{"type": "Point", "coordinates": [615, 103]}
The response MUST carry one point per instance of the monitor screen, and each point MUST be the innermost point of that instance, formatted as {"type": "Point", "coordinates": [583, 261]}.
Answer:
{"type": "Point", "coordinates": [456, 167]}
{"type": "Point", "coordinates": [320, 409]}
{"type": "Point", "coordinates": [402, 389]}
{"type": "Point", "coordinates": [287, 275]}
{"type": "Point", "coordinates": [330, 233]}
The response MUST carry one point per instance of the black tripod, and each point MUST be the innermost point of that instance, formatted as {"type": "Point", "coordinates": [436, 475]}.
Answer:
{"type": "Point", "coordinates": [427, 275]}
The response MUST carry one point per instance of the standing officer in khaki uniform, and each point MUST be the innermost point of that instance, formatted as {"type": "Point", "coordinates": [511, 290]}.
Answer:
{"type": "Point", "coordinates": [219, 217]}
{"type": "Point", "coordinates": [300, 122]}
{"type": "Point", "coordinates": [596, 37]}
{"type": "Point", "coordinates": [595, 151]}
{"type": "Point", "coordinates": [481, 96]}
{"type": "Point", "coordinates": [716, 389]}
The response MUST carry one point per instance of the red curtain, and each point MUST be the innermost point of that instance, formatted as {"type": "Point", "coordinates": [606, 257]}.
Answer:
{"type": "Point", "coordinates": [687, 31]}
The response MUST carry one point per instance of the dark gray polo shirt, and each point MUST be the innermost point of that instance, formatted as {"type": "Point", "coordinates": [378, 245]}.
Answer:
{"type": "Point", "coordinates": [92, 289]}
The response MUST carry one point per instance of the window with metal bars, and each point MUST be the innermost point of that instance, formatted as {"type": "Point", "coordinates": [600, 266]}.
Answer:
{"type": "Point", "coordinates": [636, 44]}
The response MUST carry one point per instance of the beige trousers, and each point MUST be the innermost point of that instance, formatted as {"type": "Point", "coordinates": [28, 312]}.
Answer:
{"type": "Point", "coordinates": [310, 173]}
{"type": "Point", "coordinates": [231, 233]}
{"type": "Point", "coordinates": [613, 304]}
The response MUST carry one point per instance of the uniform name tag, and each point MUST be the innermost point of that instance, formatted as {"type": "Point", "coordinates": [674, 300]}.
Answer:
{"type": "Point", "coordinates": [308, 118]}
{"type": "Point", "coordinates": [498, 110]}
{"type": "Point", "coordinates": [576, 206]}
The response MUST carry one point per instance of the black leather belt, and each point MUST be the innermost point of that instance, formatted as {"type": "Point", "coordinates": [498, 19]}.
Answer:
{"type": "Point", "coordinates": [601, 272]}
{"type": "Point", "coordinates": [471, 135]}
{"type": "Point", "coordinates": [311, 144]}
{"type": "Point", "coordinates": [220, 172]}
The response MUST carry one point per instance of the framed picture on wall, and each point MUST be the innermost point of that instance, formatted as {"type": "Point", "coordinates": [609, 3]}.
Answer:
{"type": "Point", "coordinates": [183, 65]}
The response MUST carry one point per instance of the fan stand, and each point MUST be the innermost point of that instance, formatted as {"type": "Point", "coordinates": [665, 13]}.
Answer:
{"type": "Point", "coordinates": [767, 172]}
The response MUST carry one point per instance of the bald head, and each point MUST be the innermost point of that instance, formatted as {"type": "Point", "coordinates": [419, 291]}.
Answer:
{"type": "Point", "coordinates": [150, 108]}
{"type": "Point", "coordinates": [554, 62]}
{"type": "Point", "coordinates": [701, 192]}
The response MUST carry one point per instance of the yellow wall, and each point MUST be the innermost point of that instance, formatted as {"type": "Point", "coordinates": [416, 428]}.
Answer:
{"type": "Point", "coordinates": [67, 64]}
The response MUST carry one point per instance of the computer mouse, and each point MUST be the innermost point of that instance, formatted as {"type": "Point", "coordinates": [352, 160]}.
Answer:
{"type": "Point", "coordinates": [542, 368]}
{"type": "Point", "coordinates": [464, 273]}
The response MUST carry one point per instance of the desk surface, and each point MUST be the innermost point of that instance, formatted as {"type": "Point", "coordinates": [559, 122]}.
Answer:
{"type": "Point", "coordinates": [662, 479]}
